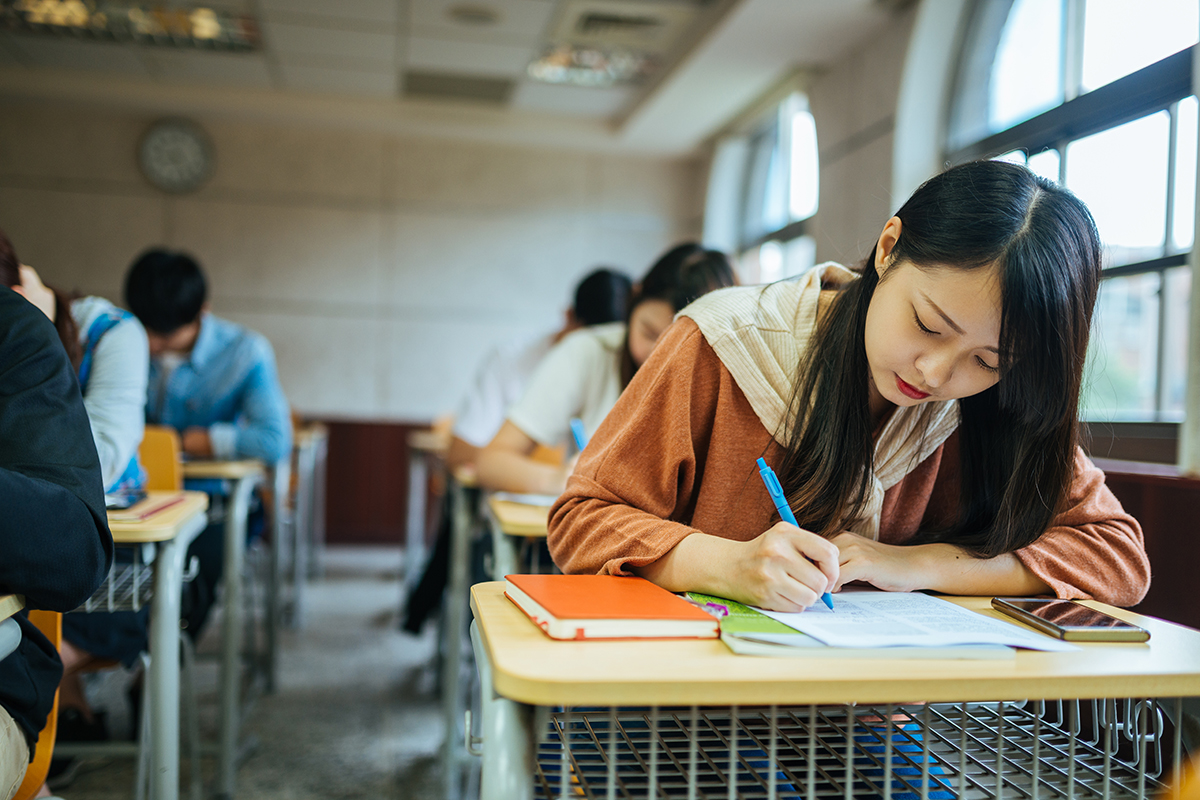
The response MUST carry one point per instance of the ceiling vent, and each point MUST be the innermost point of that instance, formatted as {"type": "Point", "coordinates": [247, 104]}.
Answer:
{"type": "Point", "coordinates": [444, 86]}
{"type": "Point", "coordinates": [647, 27]}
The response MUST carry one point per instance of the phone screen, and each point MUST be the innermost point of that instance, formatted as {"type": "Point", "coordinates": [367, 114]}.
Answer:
{"type": "Point", "coordinates": [1066, 614]}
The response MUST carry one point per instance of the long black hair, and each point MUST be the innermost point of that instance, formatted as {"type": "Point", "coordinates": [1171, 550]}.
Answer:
{"type": "Point", "coordinates": [682, 274]}
{"type": "Point", "coordinates": [1017, 438]}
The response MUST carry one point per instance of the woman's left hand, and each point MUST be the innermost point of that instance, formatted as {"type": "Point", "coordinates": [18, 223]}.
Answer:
{"type": "Point", "coordinates": [890, 567]}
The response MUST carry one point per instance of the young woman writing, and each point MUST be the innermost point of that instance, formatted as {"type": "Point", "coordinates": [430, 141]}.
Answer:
{"type": "Point", "coordinates": [921, 417]}
{"type": "Point", "coordinates": [585, 373]}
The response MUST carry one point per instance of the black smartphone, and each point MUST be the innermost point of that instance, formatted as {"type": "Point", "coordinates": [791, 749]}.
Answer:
{"type": "Point", "coordinates": [1069, 620]}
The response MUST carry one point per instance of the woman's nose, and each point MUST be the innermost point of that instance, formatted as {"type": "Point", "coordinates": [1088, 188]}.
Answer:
{"type": "Point", "coordinates": [936, 368]}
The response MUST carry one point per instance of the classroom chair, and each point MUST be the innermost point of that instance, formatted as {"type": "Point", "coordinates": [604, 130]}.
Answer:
{"type": "Point", "coordinates": [160, 457]}
{"type": "Point", "coordinates": [50, 624]}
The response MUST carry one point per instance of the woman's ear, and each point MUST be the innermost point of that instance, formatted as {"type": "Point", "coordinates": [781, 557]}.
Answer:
{"type": "Point", "coordinates": [887, 241]}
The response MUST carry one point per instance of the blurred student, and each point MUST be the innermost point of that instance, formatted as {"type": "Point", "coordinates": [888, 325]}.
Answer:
{"type": "Point", "coordinates": [107, 347]}
{"type": "Point", "coordinates": [54, 531]}
{"type": "Point", "coordinates": [586, 372]}
{"type": "Point", "coordinates": [601, 297]}
{"type": "Point", "coordinates": [213, 381]}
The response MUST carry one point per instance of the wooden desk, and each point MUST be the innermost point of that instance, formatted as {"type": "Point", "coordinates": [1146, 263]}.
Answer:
{"type": "Point", "coordinates": [242, 476]}
{"type": "Point", "coordinates": [171, 529]}
{"type": "Point", "coordinates": [519, 519]}
{"type": "Point", "coordinates": [511, 523]}
{"type": "Point", "coordinates": [529, 671]}
{"type": "Point", "coordinates": [10, 604]}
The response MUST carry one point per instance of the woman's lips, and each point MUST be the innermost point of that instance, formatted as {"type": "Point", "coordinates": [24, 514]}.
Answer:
{"type": "Point", "coordinates": [910, 391]}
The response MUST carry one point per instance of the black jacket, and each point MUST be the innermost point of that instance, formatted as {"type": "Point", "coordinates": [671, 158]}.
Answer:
{"type": "Point", "coordinates": [55, 547]}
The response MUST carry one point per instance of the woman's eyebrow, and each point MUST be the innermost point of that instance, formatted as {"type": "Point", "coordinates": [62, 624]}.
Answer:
{"type": "Point", "coordinates": [951, 322]}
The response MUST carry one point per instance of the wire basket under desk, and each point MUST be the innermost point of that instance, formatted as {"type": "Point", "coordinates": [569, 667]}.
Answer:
{"type": "Point", "coordinates": [1104, 749]}
{"type": "Point", "coordinates": [129, 585]}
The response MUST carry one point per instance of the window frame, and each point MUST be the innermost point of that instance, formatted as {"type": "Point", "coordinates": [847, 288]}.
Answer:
{"type": "Point", "coordinates": [1157, 87]}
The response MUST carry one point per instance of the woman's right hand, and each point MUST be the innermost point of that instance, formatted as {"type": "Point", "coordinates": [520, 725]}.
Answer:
{"type": "Point", "coordinates": [783, 569]}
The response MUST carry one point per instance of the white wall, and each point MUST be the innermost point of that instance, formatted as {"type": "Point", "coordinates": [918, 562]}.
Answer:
{"type": "Point", "coordinates": [381, 268]}
{"type": "Point", "coordinates": [854, 103]}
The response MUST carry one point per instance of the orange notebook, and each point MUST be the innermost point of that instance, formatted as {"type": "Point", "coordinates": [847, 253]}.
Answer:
{"type": "Point", "coordinates": [607, 607]}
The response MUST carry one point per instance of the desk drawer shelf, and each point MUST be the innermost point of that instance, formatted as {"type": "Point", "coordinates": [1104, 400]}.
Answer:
{"type": "Point", "coordinates": [1104, 749]}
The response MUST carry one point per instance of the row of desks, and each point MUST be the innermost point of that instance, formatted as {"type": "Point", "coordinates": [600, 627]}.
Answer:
{"type": "Point", "coordinates": [528, 678]}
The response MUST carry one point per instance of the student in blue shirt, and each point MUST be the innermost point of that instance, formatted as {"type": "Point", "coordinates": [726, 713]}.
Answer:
{"type": "Point", "coordinates": [213, 381]}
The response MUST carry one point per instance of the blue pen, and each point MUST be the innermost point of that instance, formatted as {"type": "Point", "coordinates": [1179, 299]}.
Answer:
{"type": "Point", "coordinates": [579, 432]}
{"type": "Point", "coordinates": [785, 513]}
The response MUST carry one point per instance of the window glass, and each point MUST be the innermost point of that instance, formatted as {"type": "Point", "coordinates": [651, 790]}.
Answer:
{"type": "Point", "coordinates": [1013, 157]}
{"type": "Point", "coordinates": [1122, 36]}
{"type": "Point", "coordinates": [1121, 174]}
{"type": "Point", "coordinates": [1025, 75]}
{"type": "Point", "coordinates": [1177, 290]}
{"type": "Point", "coordinates": [1045, 164]}
{"type": "Point", "coordinates": [1119, 382]}
{"type": "Point", "coordinates": [1183, 225]}
{"type": "Point", "coordinates": [805, 174]}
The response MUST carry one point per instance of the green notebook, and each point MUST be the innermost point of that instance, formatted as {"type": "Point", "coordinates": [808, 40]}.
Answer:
{"type": "Point", "coordinates": [746, 631]}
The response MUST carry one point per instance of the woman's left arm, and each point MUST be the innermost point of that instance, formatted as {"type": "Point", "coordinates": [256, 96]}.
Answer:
{"type": "Point", "coordinates": [1093, 549]}
{"type": "Point", "coordinates": [940, 567]}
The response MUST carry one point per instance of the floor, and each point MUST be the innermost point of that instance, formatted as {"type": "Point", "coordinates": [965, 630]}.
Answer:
{"type": "Point", "coordinates": [356, 713]}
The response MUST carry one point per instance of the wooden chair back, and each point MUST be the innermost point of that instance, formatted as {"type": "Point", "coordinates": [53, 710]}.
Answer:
{"type": "Point", "coordinates": [50, 624]}
{"type": "Point", "coordinates": [159, 453]}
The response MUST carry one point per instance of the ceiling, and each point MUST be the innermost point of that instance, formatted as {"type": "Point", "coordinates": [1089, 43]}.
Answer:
{"type": "Point", "coordinates": [412, 63]}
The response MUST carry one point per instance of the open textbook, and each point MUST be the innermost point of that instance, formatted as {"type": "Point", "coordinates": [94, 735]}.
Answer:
{"type": "Point", "coordinates": [871, 618]}
{"type": "Point", "coordinates": [870, 623]}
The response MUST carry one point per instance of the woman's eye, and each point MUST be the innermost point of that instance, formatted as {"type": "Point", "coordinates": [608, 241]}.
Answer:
{"type": "Point", "coordinates": [921, 325]}
{"type": "Point", "coordinates": [986, 365]}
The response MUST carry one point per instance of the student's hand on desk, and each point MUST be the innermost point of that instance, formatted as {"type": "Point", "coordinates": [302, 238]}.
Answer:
{"type": "Point", "coordinates": [784, 569]}
{"type": "Point", "coordinates": [197, 442]}
{"type": "Point", "coordinates": [890, 567]}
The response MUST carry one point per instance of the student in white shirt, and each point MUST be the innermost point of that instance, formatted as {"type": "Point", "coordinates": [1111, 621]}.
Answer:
{"type": "Point", "coordinates": [601, 297]}
{"type": "Point", "coordinates": [585, 373]}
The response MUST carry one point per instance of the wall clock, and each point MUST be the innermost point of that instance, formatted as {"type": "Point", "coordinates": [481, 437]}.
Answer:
{"type": "Point", "coordinates": [176, 156]}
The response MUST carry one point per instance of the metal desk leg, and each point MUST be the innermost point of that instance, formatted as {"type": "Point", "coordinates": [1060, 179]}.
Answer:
{"type": "Point", "coordinates": [316, 566]}
{"type": "Point", "coordinates": [302, 531]}
{"type": "Point", "coordinates": [282, 476]}
{"type": "Point", "coordinates": [414, 533]}
{"type": "Point", "coordinates": [455, 608]}
{"type": "Point", "coordinates": [509, 736]}
{"type": "Point", "coordinates": [505, 553]}
{"type": "Point", "coordinates": [231, 634]}
{"type": "Point", "coordinates": [163, 673]}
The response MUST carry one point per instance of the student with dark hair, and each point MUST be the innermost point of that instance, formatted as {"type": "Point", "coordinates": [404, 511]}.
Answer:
{"type": "Point", "coordinates": [213, 381]}
{"type": "Point", "coordinates": [921, 416]}
{"type": "Point", "coordinates": [584, 374]}
{"type": "Point", "coordinates": [54, 531]}
{"type": "Point", "coordinates": [108, 349]}
{"type": "Point", "coordinates": [601, 297]}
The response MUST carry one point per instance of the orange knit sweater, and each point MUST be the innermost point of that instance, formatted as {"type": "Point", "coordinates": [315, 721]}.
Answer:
{"type": "Point", "coordinates": [677, 455]}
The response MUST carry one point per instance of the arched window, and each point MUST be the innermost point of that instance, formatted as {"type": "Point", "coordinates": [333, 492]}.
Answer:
{"type": "Point", "coordinates": [763, 188]}
{"type": "Point", "coordinates": [1097, 95]}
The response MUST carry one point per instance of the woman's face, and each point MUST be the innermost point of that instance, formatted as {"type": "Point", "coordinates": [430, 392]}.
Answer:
{"type": "Point", "coordinates": [646, 324]}
{"type": "Point", "coordinates": [932, 334]}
